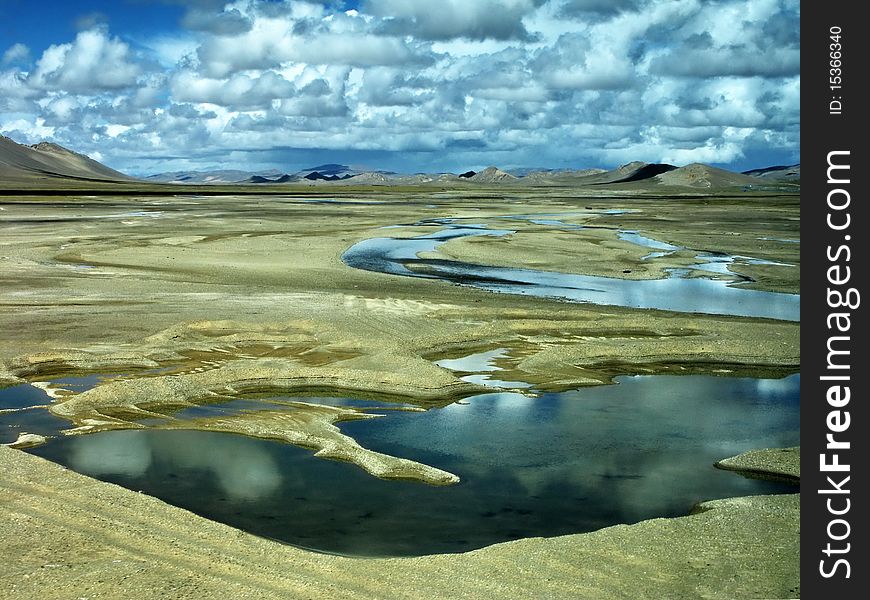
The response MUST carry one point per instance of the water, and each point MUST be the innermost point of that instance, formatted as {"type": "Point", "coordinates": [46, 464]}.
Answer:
{"type": "Point", "coordinates": [641, 240]}
{"type": "Point", "coordinates": [721, 263]}
{"type": "Point", "coordinates": [399, 256]}
{"type": "Point", "coordinates": [22, 411]}
{"type": "Point", "coordinates": [21, 396]}
{"type": "Point", "coordinates": [81, 383]}
{"type": "Point", "coordinates": [785, 240]}
{"type": "Point", "coordinates": [556, 464]}
{"type": "Point", "coordinates": [696, 295]}
{"type": "Point", "coordinates": [481, 366]}
{"type": "Point", "coordinates": [390, 255]}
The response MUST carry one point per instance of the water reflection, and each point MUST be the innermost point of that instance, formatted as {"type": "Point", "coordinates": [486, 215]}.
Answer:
{"type": "Point", "coordinates": [556, 464]}
{"type": "Point", "coordinates": [243, 471]}
{"type": "Point", "coordinates": [646, 440]}
{"type": "Point", "coordinates": [111, 454]}
{"type": "Point", "coordinates": [23, 395]}
{"type": "Point", "coordinates": [682, 295]}
{"type": "Point", "coordinates": [481, 365]}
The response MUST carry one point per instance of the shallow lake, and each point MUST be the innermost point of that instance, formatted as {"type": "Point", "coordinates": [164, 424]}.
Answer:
{"type": "Point", "coordinates": [530, 466]}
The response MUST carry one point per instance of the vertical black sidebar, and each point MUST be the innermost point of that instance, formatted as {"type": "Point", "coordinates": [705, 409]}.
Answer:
{"type": "Point", "coordinates": [834, 338]}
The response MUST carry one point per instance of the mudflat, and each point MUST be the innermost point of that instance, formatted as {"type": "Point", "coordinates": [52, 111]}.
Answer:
{"type": "Point", "coordinates": [193, 299]}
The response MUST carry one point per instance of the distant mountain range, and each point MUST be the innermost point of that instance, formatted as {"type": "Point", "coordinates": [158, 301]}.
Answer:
{"type": "Point", "coordinates": [46, 162]}
{"type": "Point", "coordinates": [326, 172]}
{"type": "Point", "coordinates": [222, 176]}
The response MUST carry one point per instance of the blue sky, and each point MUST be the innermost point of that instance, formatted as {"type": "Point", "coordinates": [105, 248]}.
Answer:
{"type": "Point", "coordinates": [158, 85]}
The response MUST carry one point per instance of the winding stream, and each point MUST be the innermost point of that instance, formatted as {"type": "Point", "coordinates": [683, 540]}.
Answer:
{"type": "Point", "coordinates": [400, 256]}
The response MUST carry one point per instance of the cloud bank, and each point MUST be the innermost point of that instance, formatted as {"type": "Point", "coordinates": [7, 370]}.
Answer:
{"type": "Point", "coordinates": [420, 86]}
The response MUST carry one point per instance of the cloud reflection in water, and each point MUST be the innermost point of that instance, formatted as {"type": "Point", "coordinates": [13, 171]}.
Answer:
{"type": "Point", "coordinates": [243, 471]}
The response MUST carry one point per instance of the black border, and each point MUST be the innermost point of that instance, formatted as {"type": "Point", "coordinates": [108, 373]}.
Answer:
{"type": "Point", "coordinates": [821, 133]}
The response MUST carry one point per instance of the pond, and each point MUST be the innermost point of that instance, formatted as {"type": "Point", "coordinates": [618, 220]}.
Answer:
{"type": "Point", "coordinates": [553, 464]}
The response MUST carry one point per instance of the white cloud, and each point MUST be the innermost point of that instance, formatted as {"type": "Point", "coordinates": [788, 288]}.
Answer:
{"type": "Point", "coordinates": [14, 86]}
{"type": "Point", "coordinates": [62, 107]}
{"type": "Point", "coordinates": [116, 130]}
{"type": "Point", "coordinates": [274, 41]}
{"type": "Point", "coordinates": [27, 131]}
{"type": "Point", "coordinates": [239, 91]}
{"type": "Point", "coordinates": [93, 62]}
{"type": "Point", "coordinates": [556, 82]}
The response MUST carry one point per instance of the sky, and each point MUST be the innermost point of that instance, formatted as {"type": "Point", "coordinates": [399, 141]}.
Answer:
{"type": "Point", "coordinates": [149, 86]}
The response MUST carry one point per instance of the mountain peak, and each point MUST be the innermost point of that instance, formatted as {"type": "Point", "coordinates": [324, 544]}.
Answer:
{"type": "Point", "coordinates": [51, 147]}
{"type": "Point", "coordinates": [492, 175]}
{"type": "Point", "coordinates": [704, 176]}
{"type": "Point", "coordinates": [47, 160]}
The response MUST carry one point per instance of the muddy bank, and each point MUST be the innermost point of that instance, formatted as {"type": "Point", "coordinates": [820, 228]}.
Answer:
{"type": "Point", "coordinates": [216, 361]}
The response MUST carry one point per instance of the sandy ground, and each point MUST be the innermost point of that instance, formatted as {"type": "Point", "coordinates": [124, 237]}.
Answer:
{"type": "Point", "coordinates": [194, 299]}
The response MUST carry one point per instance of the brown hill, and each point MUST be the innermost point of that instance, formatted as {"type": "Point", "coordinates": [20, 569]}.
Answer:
{"type": "Point", "coordinates": [626, 172]}
{"type": "Point", "coordinates": [562, 177]}
{"type": "Point", "coordinates": [492, 175]}
{"type": "Point", "coordinates": [698, 175]}
{"type": "Point", "coordinates": [45, 161]}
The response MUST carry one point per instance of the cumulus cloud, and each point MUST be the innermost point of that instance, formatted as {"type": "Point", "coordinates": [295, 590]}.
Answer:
{"type": "Point", "coordinates": [94, 61]}
{"type": "Point", "coordinates": [265, 46]}
{"type": "Point", "coordinates": [384, 86]}
{"type": "Point", "coordinates": [437, 85]}
{"type": "Point", "coordinates": [761, 39]}
{"type": "Point", "coordinates": [741, 61]}
{"type": "Point", "coordinates": [322, 93]}
{"type": "Point", "coordinates": [275, 41]}
{"type": "Point", "coordinates": [239, 91]}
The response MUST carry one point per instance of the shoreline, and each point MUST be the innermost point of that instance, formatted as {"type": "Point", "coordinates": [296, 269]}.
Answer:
{"type": "Point", "coordinates": [67, 534]}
